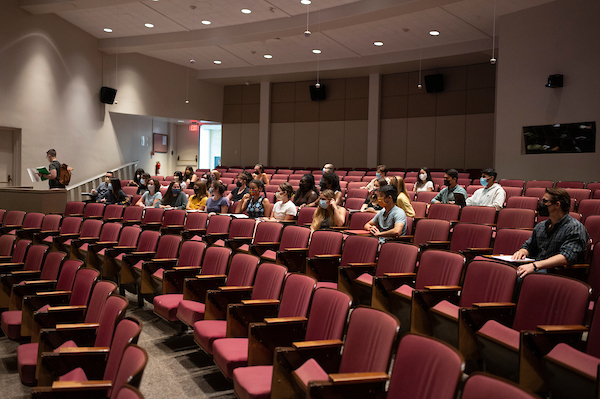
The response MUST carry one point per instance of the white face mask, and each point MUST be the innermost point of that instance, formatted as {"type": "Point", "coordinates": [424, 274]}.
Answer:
{"type": "Point", "coordinates": [423, 176]}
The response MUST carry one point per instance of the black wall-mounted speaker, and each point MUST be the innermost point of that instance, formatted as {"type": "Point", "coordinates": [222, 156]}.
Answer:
{"type": "Point", "coordinates": [555, 81]}
{"type": "Point", "coordinates": [107, 95]}
{"type": "Point", "coordinates": [318, 93]}
{"type": "Point", "coordinates": [434, 83]}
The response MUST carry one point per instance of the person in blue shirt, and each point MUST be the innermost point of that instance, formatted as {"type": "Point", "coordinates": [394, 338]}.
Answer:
{"type": "Point", "coordinates": [391, 220]}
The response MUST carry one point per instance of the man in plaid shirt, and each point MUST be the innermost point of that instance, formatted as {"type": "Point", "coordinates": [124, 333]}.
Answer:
{"type": "Point", "coordinates": [558, 241]}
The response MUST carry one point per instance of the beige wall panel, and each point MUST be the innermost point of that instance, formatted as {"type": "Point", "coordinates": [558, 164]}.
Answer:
{"type": "Point", "coordinates": [395, 84]}
{"type": "Point", "coordinates": [481, 101]}
{"type": "Point", "coordinates": [331, 143]}
{"type": "Point", "coordinates": [331, 110]}
{"type": "Point", "coordinates": [283, 92]}
{"type": "Point", "coordinates": [392, 143]}
{"type": "Point", "coordinates": [454, 78]}
{"type": "Point", "coordinates": [451, 103]}
{"type": "Point", "coordinates": [230, 149]}
{"type": "Point", "coordinates": [481, 76]}
{"type": "Point", "coordinates": [249, 144]}
{"type": "Point", "coordinates": [282, 144]}
{"type": "Point", "coordinates": [303, 90]}
{"type": "Point", "coordinates": [232, 113]}
{"type": "Point", "coordinates": [357, 109]}
{"type": "Point", "coordinates": [232, 95]}
{"type": "Point", "coordinates": [357, 87]}
{"type": "Point", "coordinates": [413, 81]}
{"type": "Point", "coordinates": [394, 107]}
{"type": "Point", "coordinates": [335, 88]}
{"type": "Point", "coordinates": [282, 112]}
{"type": "Point", "coordinates": [307, 111]}
{"type": "Point", "coordinates": [420, 105]}
{"type": "Point", "coordinates": [250, 113]}
{"type": "Point", "coordinates": [306, 149]}
{"type": "Point", "coordinates": [479, 142]}
{"type": "Point", "coordinates": [251, 94]}
{"type": "Point", "coordinates": [420, 142]}
{"type": "Point", "coordinates": [450, 142]}
{"type": "Point", "coordinates": [355, 144]}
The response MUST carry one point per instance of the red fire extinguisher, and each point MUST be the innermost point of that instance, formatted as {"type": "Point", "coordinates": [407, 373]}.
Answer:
{"type": "Point", "coordinates": [157, 168]}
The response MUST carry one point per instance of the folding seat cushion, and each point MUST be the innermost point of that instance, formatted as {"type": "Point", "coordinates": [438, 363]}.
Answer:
{"type": "Point", "coordinates": [482, 385]}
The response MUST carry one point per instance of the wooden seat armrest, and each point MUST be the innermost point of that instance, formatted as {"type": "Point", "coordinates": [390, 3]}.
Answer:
{"type": "Point", "coordinates": [174, 226]}
{"type": "Point", "coordinates": [406, 238]}
{"type": "Point", "coordinates": [210, 276]}
{"type": "Point", "coordinates": [341, 378]}
{"type": "Point", "coordinates": [83, 385]}
{"type": "Point", "coordinates": [361, 264]}
{"type": "Point", "coordinates": [184, 268]}
{"type": "Point", "coordinates": [280, 320]}
{"type": "Point", "coordinates": [578, 266]}
{"type": "Point", "coordinates": [124, 248]}
{"type": "Point", "coordinates": [241, 238]}
{"type": "Point", "coordinates": [250, 302]}
{"type": "Point", "coordinates": [295, 250]}
{"type": "Point", "coordinates": [107, 243]}
{"type": "Point", "coordinates": [68, 236]}
{"type": "Point", "coordinates": [575, 328]}
{"type": "Point", "coordinates": [88, 349]}
{"type": "Point", "coordinates": [86, 239]}
{"type": "Point", "coordinates": [318, 344]}
{"type": "Point", "coordinates": [480, 250]}
{"type": "Point", "coordinates": [265, 244]}
{"type": "Point", "coordinates": [217, 234]}
{"type": "Point", "coordinates": [52, 293]}
{"type": "Point", "coordinates": [11, 264]}
{"type": "Point", "coordinates": [236, 288]}
{"type": "Point", "coordinates": [152, 224]}
{"type": "Point", "coordinates": [61, 308]}
{"type": "Point", "coordinates": [494, 305]}
{"type": "Point", "coordinates": [400, 274]}
{"type": "Point", "coordinates": [162, 260]}
{"type": "Point", "coordinates": [327, 256]}
{"type": "Point", "coordinates": [144, 253]}
{"type": "Point", "coordinates": [438, 242]}
{"type": "Point", "coordinates": [443, 287]}
{"type": "Point", "coordinates": [33, 282]}
{"type": "Point", "coordinates": [26, 272]}
{"type": "Point", "coordinates": [76, 326]}
{"type": "Point", "coordinates": [30, 229]}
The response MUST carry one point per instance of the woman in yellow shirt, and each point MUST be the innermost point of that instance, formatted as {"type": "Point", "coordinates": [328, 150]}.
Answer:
{"type": "Point", "coordinates": [402, 201]}
{"type": "Point", "coordinates": [198, 200]}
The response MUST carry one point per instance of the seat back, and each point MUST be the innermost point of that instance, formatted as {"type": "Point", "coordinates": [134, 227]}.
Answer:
{"type": "Point", "coordinates": [369, 340]}
{"type": "Point", "coordinates": [425, 368]}
{"type": "Point", "coordinates": [131, 368]}
{"type": "Point", "coordinates": [94, 210]}
{"type": "Point", "coordinates": [487, 281]}
{"type": "Point", "coordinates": [90, 228]}
{"type": "Point", "coordinates": [294, 237]}
{"type": "Point", "coordinates": [268, 281]}
{"type": "Point", "coordinates": [51, 223]}
{"type": "Point", "coordinates": [2, 213]}
{"type": "Point", "coordinates": [71, 225]}
{"type": "Point", "coordinates": [522, 202]}
{"type": "Point", "coordinates": [513, 191]}
{"type": "Point", "coordinates": [196, 221]}
{"type": "Point", "coordinates": [148, 240]}
{"type": "Point", "coordinates": [133, 214]}
{"type": "Point", "coordinates": [74, 208]}
{"type": "Point", "coordinates": [431, 230]}
{"type": "Point", "coordinates": [218, 224]}
{"type": "Point", "coordinates": [102, 290]}
{"type": "Point", "coordinates": [297, 292]}
{"type": "Point", "coordinates": [191, 253]}
{"type": "Point", "coordinates": [82, 286]}
{"type": "Point", "coordinates": [267, 232]}
{"type": "Point", "coordinates": [173, 217]}
{"type": "Point", "coordinates": [328, 312]}
{"type": "Point", "coordinates": [325, 242]}
{"type": "Point", "coordinates": [216, 260]}
{"type": "Point", "coordinates": [537, 192]}
{"type": "Point", "coordinates": [20, 251]}
{"type": "Point", "coordinates": [242, 270]}
{"type": "Point", "coordinates": [396, 258]}
{"type": "Point", "coordinates": [425, 196]}
{"type": "Point", "coordinates": [33, 220]}
{"type": "Point", "coordinates": [592, 225]}
{"type": "Point", "coordinates": [354, 204]}
{"type": "Point", "coordinates": [52, 265]}
{"type": "Point", "coordinates": [420, 209]}
{"type": "Point", "coordinates": [357, 193]}
{"type": "Point", "coordinates": [515, 218]}
{"type": "Point", "coordinates": [127, 332]}
{"type": "Point", "coordinates": [587, 207]}
{"type": "Point", "coordinates": [539, 184]}
{"type": "Point", "coordinates": [478, 215]}
{"type": "Point", "coordinates": [482, 385]}
{"type": "Point", "coordinates": [305, 215]}
{"type": "Point", "coordinates": [439, 268]}
{"type": "Point", "coordinates": [67, 274]}
{"type": "Point", "coordinates": [168, 247]}
{"type": "Point", "coordinates": [113, 312]}
{"type": "Point", "coordinates": [129, 236]}
{"type": "Point", "coordinates": [35, 257]}
{"type": "Point", "coordinates": [512, 183]}
{"type": "Point", "coordinates": [443, 211]}
{"type": "Point", "coordinates": [508, 241]}
{"type": "Point", "coordinates": [153, 215]}
{"type": "Point", "coordinates": [241, 228]}
{"type": "Point", "coordinates": [359, 249]}
{"type": "Point", "coordinates": [113, 211]}
{"type": "Point", "coordinates": [549, 300]}
{"type": "Point", "coordinates": [110, 232]}
{"type": "Point", "coordinates": [7, 243]}
{"type": "Point", "coordinates": [579, 194]}
{"type": "Point", "coordinates": [466, 235]}
{"type": "Point", "coordinates": [359, 219]}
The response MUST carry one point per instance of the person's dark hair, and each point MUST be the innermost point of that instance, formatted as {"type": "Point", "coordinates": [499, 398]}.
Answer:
{"type": "Point", "coordinates": [382, 182]}
{"type": "Point", "coordinates": [179, 175]}
{"type": "Point", "coordinates": [117, 193]}
{"type": "Point", "coordinates": [220, 187]}
{"type": "Point", "coordinates": [453, 173]}
{"type": "Point", "coordinates": [169, 198]}
{"type": "Point", "coordinates": [332, 179]}
{"type": "Point", "coordinates": [146, 176]}
{"type": "Point", "coordinates": [200, 189]}
{"type": "Point", "coordinates": [388, 190]}
{"type": "Point", "coordinates": [382, 168]}
{"type": "Point", "coordinates": [428, 174]}
{"type": "Point", "coordinates": [110, 171]}
{"type": "Point", "coordinates": [258, 183]}
{"type": "Point", "coordinates": [189, 169]}
{"type": "Point", "coordinates": [245, 176]}
{"type": "Point", "coordinates": [287, 188]}
{"type": "Point", "coordinates": [490, 172]}
{"type": "Point", "coordinates": [156, 184]}
{"type": "Point", "coordinates": [310, 180]}
{"type": "Point", "coordinates": [260, 167]}
{"type": "Point", "coordinates": [560, 195]}
{"type": "Point", "coordinates": [51, 152]}
{"type": "Point", "coordinates": [138, 171]}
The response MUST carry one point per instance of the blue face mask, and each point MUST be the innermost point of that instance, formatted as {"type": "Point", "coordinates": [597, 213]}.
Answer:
{"type": "Point", "coordinates": [378, 175]}
{"type": "Point", "coordinates": [110, 186]}
{"type": "Point", "coordinates": [323, 203]}
{"type": "Point", "coordinates": [483, 181]}
{"type": "Point", "coordinates": [324, 171]}
{"type": "Point", "coordinates": [176, 191]}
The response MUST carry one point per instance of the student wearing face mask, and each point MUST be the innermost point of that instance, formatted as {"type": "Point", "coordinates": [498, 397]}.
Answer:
{"type": "Point", "coordinates": [328, 213]}
{"type": "Point", "coordinates": [371, 203]}
{"type": "Point", "coordinates": [174, 198]}
{"type": "Point", "coordinates": [197, 201]}
{"type": "Point", "coordinates": [424, 181]}
{"type": "Point", "coordinates": [330, 181]}
{"type": "Point", "coordinates": [307, 192]}
{"type": "Point", "coordinates": [151, 197]}
{"type": "Point", "coordinates": [284, 209]}
{"type": "Point", "coordinates": [446, 195]}
{"type": "Point", "coordinates": [492, 193]}
{"type": "Point", "coordinates": [389, 221]}
{"type": "Point", "coordinates": [189, 177]}
{"type": "Point", "coordinates": [558, 241]}
{"type": "Point", "coordinates": [143, 184]}
{"type": "Point", "coordinates": [254, 203]}
{"type": "Point", "coordinates": [380, 174]}
{"type": "Point", "coordinates": [115, 194]}
{"type": "Point", "coordinates": [101, 191]}
{"type": "Point", "coordinates": [178, 177]}
{"type": "Point", "coordinates": [136, 178]}
{"type": "Point", "coordinates": [217, 203]}
{"type": "Point", "coordinates": [241, 188]}
{"type": "Point", "coordinates": [259, 174]}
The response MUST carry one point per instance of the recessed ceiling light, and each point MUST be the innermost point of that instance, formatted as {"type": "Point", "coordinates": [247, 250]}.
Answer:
{"type": "Point", "coordinates": [434, 32]}
{"type": "Point", "coordinates": [307, 2]}
{"type": "Point", "coordinates": [268, 56]}
{"type": "Point", "coordinates": [205, 22]}
{"type": "Point", "coordinates": [246, 11]}
{"type": "Point", "coordinates": [180, 121]}
{"type": "Point", "coordinates": [108, 30]}
{"type": "Point", "coordinates": [149, 25]}
{"type": "Point", "coordinates": [378, 43]}
{"type": "Point", "coordinates": [316, 51]}
{"type": "Point", "coordinates": [217, 62]}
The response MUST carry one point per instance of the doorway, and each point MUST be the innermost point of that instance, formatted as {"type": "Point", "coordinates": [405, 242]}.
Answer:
{"type": "Point", "coordinates": [209, 144]}
{"type": "Point", "coordinates": [10, 157]}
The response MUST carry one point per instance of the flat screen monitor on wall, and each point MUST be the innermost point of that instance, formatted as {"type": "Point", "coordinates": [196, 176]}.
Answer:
{"type": "Point", "coordinates": [560, 138]}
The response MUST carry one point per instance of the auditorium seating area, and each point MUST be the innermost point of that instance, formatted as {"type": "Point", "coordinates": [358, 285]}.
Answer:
{"type": "Point", "coordinates": [283, 312]}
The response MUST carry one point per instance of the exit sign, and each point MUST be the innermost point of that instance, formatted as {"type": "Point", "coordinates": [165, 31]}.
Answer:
{"type": "Point", "coordinates": [194, 128]}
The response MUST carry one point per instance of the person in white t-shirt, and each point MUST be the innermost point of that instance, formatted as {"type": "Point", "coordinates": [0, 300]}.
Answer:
{"type": "Point", "coordinates": [424, 181]}
{"type": "Point", "coordinates": [492, 193]}
{"type": "Point", "coordinates": [284, 209]}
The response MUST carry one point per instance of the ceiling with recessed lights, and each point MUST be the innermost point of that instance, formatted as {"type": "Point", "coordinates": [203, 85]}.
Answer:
{"type": "Point", "coordinates": [264, 39]}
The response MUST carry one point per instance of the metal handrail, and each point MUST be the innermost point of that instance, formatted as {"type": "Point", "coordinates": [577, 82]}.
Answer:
{"type": "Point", "coordinates": [123, 172]}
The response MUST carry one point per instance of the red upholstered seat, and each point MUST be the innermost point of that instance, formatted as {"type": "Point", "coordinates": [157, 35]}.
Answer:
{"type": "Point", "coordinates": [478, 215]}
{"type": "Point", "coordinates": [482, 385]}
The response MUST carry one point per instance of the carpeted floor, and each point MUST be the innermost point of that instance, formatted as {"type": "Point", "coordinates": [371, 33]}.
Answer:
{"type": "Point", "coordinates": [176, 367]}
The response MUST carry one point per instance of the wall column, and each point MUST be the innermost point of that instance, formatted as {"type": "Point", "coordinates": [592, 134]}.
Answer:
{"type": "Point", "coordinates": [264, 133]}
{"type": "Point", "coordinates": [373, 125]}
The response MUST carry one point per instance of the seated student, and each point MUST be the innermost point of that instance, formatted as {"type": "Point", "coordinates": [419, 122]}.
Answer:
{"type": "Point", "coordinates": [151, 197]}
{"type": "Point", "coordinates": [492, 193]}
{"type": "Point", "coordinates": [143, 184]}
{"type": "Point", "coordinates": [242, 187]}
{"type": "Point", "coordinates": [424, 181]}
{"type": "Point", "coordinates": [254, 203]}
{"type": "Point", "coordinates": [259, 174]}
{"type": "Point", "coordinates": [330, 181]}
{"type": "Point", "coordinates": [215, 175]}
{"type": "Point", "coordinates": [328, 214]}
{"type": "Point", "coordinates": [189, 177]}
{"type": "Point", "coordinates": [284, 209]}
{"type": "Point", "coordinates": [136, 178]}
{"type": "Point", "coordinates": [174, 198]}
{"type": "Point", "coordinates": [307, 192]}
{"type": "Point", "coordinates": [100, 192]}
{"type": "Point", "coordinates": [372, 201]}
{"type": "Point", "coordinates": [391, 220]}
{"type": "Point", "coordinates": [446, 196]}
{"type": "Point", "coordinates": [217, 203]}
{"type": "Point", "coordinates": [197, 201]}
{"type": "Point", "coordinates": [403, 201]}
{"type": "Point", "coordinates": [178, 177]}
{"type": "Point", "coordinates": [380, 174]}
{"type": "Point", "coordinates": [115, 194]}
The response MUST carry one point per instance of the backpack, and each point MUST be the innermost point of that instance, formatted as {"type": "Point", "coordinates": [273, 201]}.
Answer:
{"type": "Point", "coordinates": [64, 175]}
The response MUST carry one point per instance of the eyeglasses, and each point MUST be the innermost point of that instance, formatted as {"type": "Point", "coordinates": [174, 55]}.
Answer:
{"type": "Point", "coordinates": [545, 201]}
